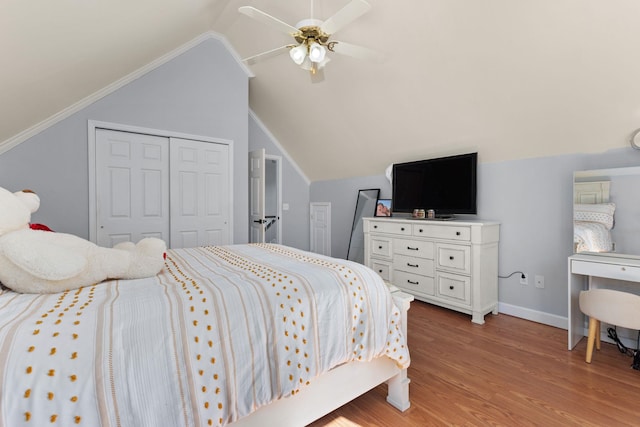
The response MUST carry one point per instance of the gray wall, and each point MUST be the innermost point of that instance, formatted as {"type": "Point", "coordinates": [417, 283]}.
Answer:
{"type": "Point", "coordinates": [343, 194]}
{"type": "Point", "coordinates": [295, 187]}
{"type": "Point", "coordinates": [203, 91]}
{"type": "Point", "coordinates": [531, 198]}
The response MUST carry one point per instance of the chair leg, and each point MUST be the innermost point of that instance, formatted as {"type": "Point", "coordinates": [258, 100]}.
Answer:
{"type": "Point", "coordinates": [593, 327]}
{"type": "Point", "coordinates": [597, 334]}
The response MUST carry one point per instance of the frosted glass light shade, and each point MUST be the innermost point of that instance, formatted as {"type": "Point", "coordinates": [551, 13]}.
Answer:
{"type": "Point", "coordinates": [317, 52]}
{"type": "Point", "coordinates": [298, 54]}
{"type": "Point", "coordinates": [306, 64]}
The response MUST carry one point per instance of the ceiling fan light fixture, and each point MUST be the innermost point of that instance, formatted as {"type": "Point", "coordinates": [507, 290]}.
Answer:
{"type": "Point", "coordinates": [320, 65]}
{"type": "Point", "coordinates": [317, 52]}
{"type": "Point", "coordinates": [298, 54]}
{"type": "Point", "coordinates": [306, 65]}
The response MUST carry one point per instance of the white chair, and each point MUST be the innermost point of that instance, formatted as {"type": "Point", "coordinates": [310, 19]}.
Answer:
{"type": "Point", "coordinates": [609, 306]}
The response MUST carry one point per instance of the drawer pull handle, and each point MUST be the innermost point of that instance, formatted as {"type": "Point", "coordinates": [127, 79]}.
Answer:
{"type": "Point", "coordinates": [413, 283]}
{"type": "Point", "coordinates": [420, 230]}
{"type": "Point", "coordinates": [412, 249]}
{"type": "Point", "coordinates": [402, 229]}
{"type": "Point", "coordinates": [379, 247]}
{"type": "Point", "coordinates": [451, 257]}
{"type": "Point", "coordinates": [457, 233]}
{"type": "Point", "coordinates": [380, 271]}
{"type": "Point", "coordinates": [451, 287]}
{"type": "Point", "coordinates": [412, 265]}
{"type": "Point", "coordinates": [375, 226]}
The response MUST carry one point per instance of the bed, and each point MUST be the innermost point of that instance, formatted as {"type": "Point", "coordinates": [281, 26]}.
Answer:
{"type": "Point", "coordinates": [593, 217]}
{"type": "Point", "coordinates": [258, 334]}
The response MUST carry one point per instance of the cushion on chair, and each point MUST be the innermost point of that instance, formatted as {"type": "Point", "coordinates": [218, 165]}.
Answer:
{"type": "Point", "coordinates": [612, 307]}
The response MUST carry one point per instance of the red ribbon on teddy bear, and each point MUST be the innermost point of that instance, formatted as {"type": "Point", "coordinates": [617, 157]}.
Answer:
{"type": "Point", "coordinates": [39, 227]}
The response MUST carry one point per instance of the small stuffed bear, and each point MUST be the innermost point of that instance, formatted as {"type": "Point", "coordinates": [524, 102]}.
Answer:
{"type": "Point", "coordinates": [39, 261]}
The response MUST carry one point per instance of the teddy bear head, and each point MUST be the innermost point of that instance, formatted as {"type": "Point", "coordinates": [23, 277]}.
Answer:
{"type": "Point", "coordinates": [16, 209]}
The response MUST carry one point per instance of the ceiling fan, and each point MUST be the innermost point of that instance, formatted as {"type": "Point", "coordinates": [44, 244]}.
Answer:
{"type": "Point", "coordinates": [313, 38]}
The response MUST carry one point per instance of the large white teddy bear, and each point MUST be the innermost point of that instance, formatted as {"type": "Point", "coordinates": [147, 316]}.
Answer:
{"type": "Point", "coordinates": [37, 261]}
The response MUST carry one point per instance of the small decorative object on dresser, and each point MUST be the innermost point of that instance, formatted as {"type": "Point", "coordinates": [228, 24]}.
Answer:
{"type": "Point", "coordinates": [450, 264]}
{"type": "Point", "coordinates": [383, 207]}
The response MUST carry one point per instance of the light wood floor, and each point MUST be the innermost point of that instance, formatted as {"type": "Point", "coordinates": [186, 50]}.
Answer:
{"type": "Point", "coordinates": [507, 372]}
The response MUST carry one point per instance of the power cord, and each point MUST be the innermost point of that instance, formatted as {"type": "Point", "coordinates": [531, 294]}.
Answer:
{"type": "Point", "coordinates": [522, 276]}
{"type": "Point", "coordinates": [612, 333]}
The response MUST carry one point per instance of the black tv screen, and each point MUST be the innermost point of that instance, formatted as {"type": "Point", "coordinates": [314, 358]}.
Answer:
{"type": "Point", "coordinates": [446, 185]}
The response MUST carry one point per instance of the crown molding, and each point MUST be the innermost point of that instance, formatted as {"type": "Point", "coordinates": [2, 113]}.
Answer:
{"type": "Point", "coordinates": [74, 108]}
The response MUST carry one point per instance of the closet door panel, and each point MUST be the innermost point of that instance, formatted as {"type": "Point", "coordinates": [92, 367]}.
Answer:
{"type": "Point", "coordinates": [200, 199]}
{"type": "Point", "coordinates": [132, 187]}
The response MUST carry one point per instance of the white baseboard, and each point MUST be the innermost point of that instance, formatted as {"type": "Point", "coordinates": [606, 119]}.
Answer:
{"type": "Point", "coordinates": [628, 337]}
{"type": "Point", "coordinates": [533, 315]}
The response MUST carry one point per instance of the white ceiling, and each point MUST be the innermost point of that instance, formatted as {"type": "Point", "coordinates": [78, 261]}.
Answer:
{"type": "Point", "coordinates": [511, 79]}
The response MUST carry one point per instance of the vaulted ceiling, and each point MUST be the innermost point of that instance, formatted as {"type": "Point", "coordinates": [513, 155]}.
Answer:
{"type": "Point", "coordinates": [511, 79]}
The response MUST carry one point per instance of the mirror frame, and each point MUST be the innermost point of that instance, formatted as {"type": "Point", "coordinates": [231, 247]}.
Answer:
{"type": "Point", "coordinates": [608, 174]}
{"type": "Point", "coordinates": [357, 231]}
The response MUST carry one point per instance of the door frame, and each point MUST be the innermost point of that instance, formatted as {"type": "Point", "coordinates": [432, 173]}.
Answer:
{"type": "Point", "coordinates": [92, 125]}
{"type": "Point", "coordinates": [278, 161]}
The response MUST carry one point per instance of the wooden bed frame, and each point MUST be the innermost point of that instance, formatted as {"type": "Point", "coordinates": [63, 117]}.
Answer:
{"type": "Point", "coordinates": [337, 387]}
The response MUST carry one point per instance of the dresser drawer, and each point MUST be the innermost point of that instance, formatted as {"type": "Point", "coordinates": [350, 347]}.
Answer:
{"type": "Point", "coordinates": [601, 269]}
{"type": "Point", "coordinates": [416, 248]}
{"type": "Point", "coordinates": [455, 258]}
{"type": "Point", "coordinates": [382, 268]}
{"type": "Point", "coordinates": [414, 282]}
{"type": "Point", "coordinates": [390, 227]}
{"type": "Point", "coordinates": [461, 233]}
{"type": "Point", "coordinates": [454, 287]}
{"type": "Point", "coordinates": [415, 265]}
{"type": "Point", "coordinates": [380, 246]}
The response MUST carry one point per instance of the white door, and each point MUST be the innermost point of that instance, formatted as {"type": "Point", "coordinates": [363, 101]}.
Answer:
{"type": "Point", "coordinates": [320, 228]}
{"type": "Point", "coordinates": [257, 219]}
{"type": "Point", "coordinates": [200, 197]}
{"type": "Point", "coordinates": [132, 186]}
{"type": "Point", "coordinates": [273, 199]}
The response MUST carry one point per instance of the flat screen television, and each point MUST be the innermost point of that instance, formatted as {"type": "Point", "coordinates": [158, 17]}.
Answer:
{"type": "Point", "coordinates": [446, 184]}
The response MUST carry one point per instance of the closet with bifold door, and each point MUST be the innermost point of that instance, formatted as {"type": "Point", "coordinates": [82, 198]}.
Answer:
{"type": "Point", "coordinates": [146, 185]}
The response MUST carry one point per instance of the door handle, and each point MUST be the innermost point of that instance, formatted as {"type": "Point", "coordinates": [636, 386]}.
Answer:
{"type": "Point", "coordinates": [260, 221]}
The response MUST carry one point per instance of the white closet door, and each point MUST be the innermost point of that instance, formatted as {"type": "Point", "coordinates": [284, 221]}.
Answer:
{"type": "Point", "coordinates": [200, 198]}
{"type": "Point", "coordinates": [132, 185]}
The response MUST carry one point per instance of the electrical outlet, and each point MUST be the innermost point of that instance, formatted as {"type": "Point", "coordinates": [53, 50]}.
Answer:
{"type": "Point", "coordinates": [524, 279]}
{"type": "Point", "coordinates": [539, 281]}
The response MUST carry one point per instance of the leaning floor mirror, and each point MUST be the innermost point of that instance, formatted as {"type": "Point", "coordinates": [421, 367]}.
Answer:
{"type": "Point", "coordinates": [365, 207]}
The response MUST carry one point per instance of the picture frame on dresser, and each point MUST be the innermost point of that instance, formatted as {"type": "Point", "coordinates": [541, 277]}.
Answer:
{"type": "Point", "coordinates": [383, 208]}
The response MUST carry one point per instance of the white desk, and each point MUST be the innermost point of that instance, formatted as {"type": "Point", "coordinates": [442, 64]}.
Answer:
{"type": "Point", "coordinates": [582, 269]}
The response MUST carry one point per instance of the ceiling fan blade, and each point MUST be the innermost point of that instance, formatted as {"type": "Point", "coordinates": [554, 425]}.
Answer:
{"type": "Point", "coordinates": [267, 19]}
{"type": "Point", "coordinates": [266, 55]}
{"type": "Point", "coordinates": [317, 76]}
{"type": "Point", "coordinates": [349, 13]}
{"type": "Point", "coordinates": [359, 52]}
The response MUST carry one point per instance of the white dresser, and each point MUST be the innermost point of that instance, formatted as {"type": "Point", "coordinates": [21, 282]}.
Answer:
{"type": "Point", "coordinates": [453, 264]}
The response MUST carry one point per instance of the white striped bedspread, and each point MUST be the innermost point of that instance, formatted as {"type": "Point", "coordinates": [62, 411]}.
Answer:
{"type": "Point", "coordinates": [221, 331]}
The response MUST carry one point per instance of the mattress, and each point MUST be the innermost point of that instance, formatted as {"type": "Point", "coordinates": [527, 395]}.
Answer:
{"type": "Point", "coordinates": [220, 332]}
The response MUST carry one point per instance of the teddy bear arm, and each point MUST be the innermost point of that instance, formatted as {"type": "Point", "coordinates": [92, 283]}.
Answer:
{"type": "Point", "coordinates": [40, 258]}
